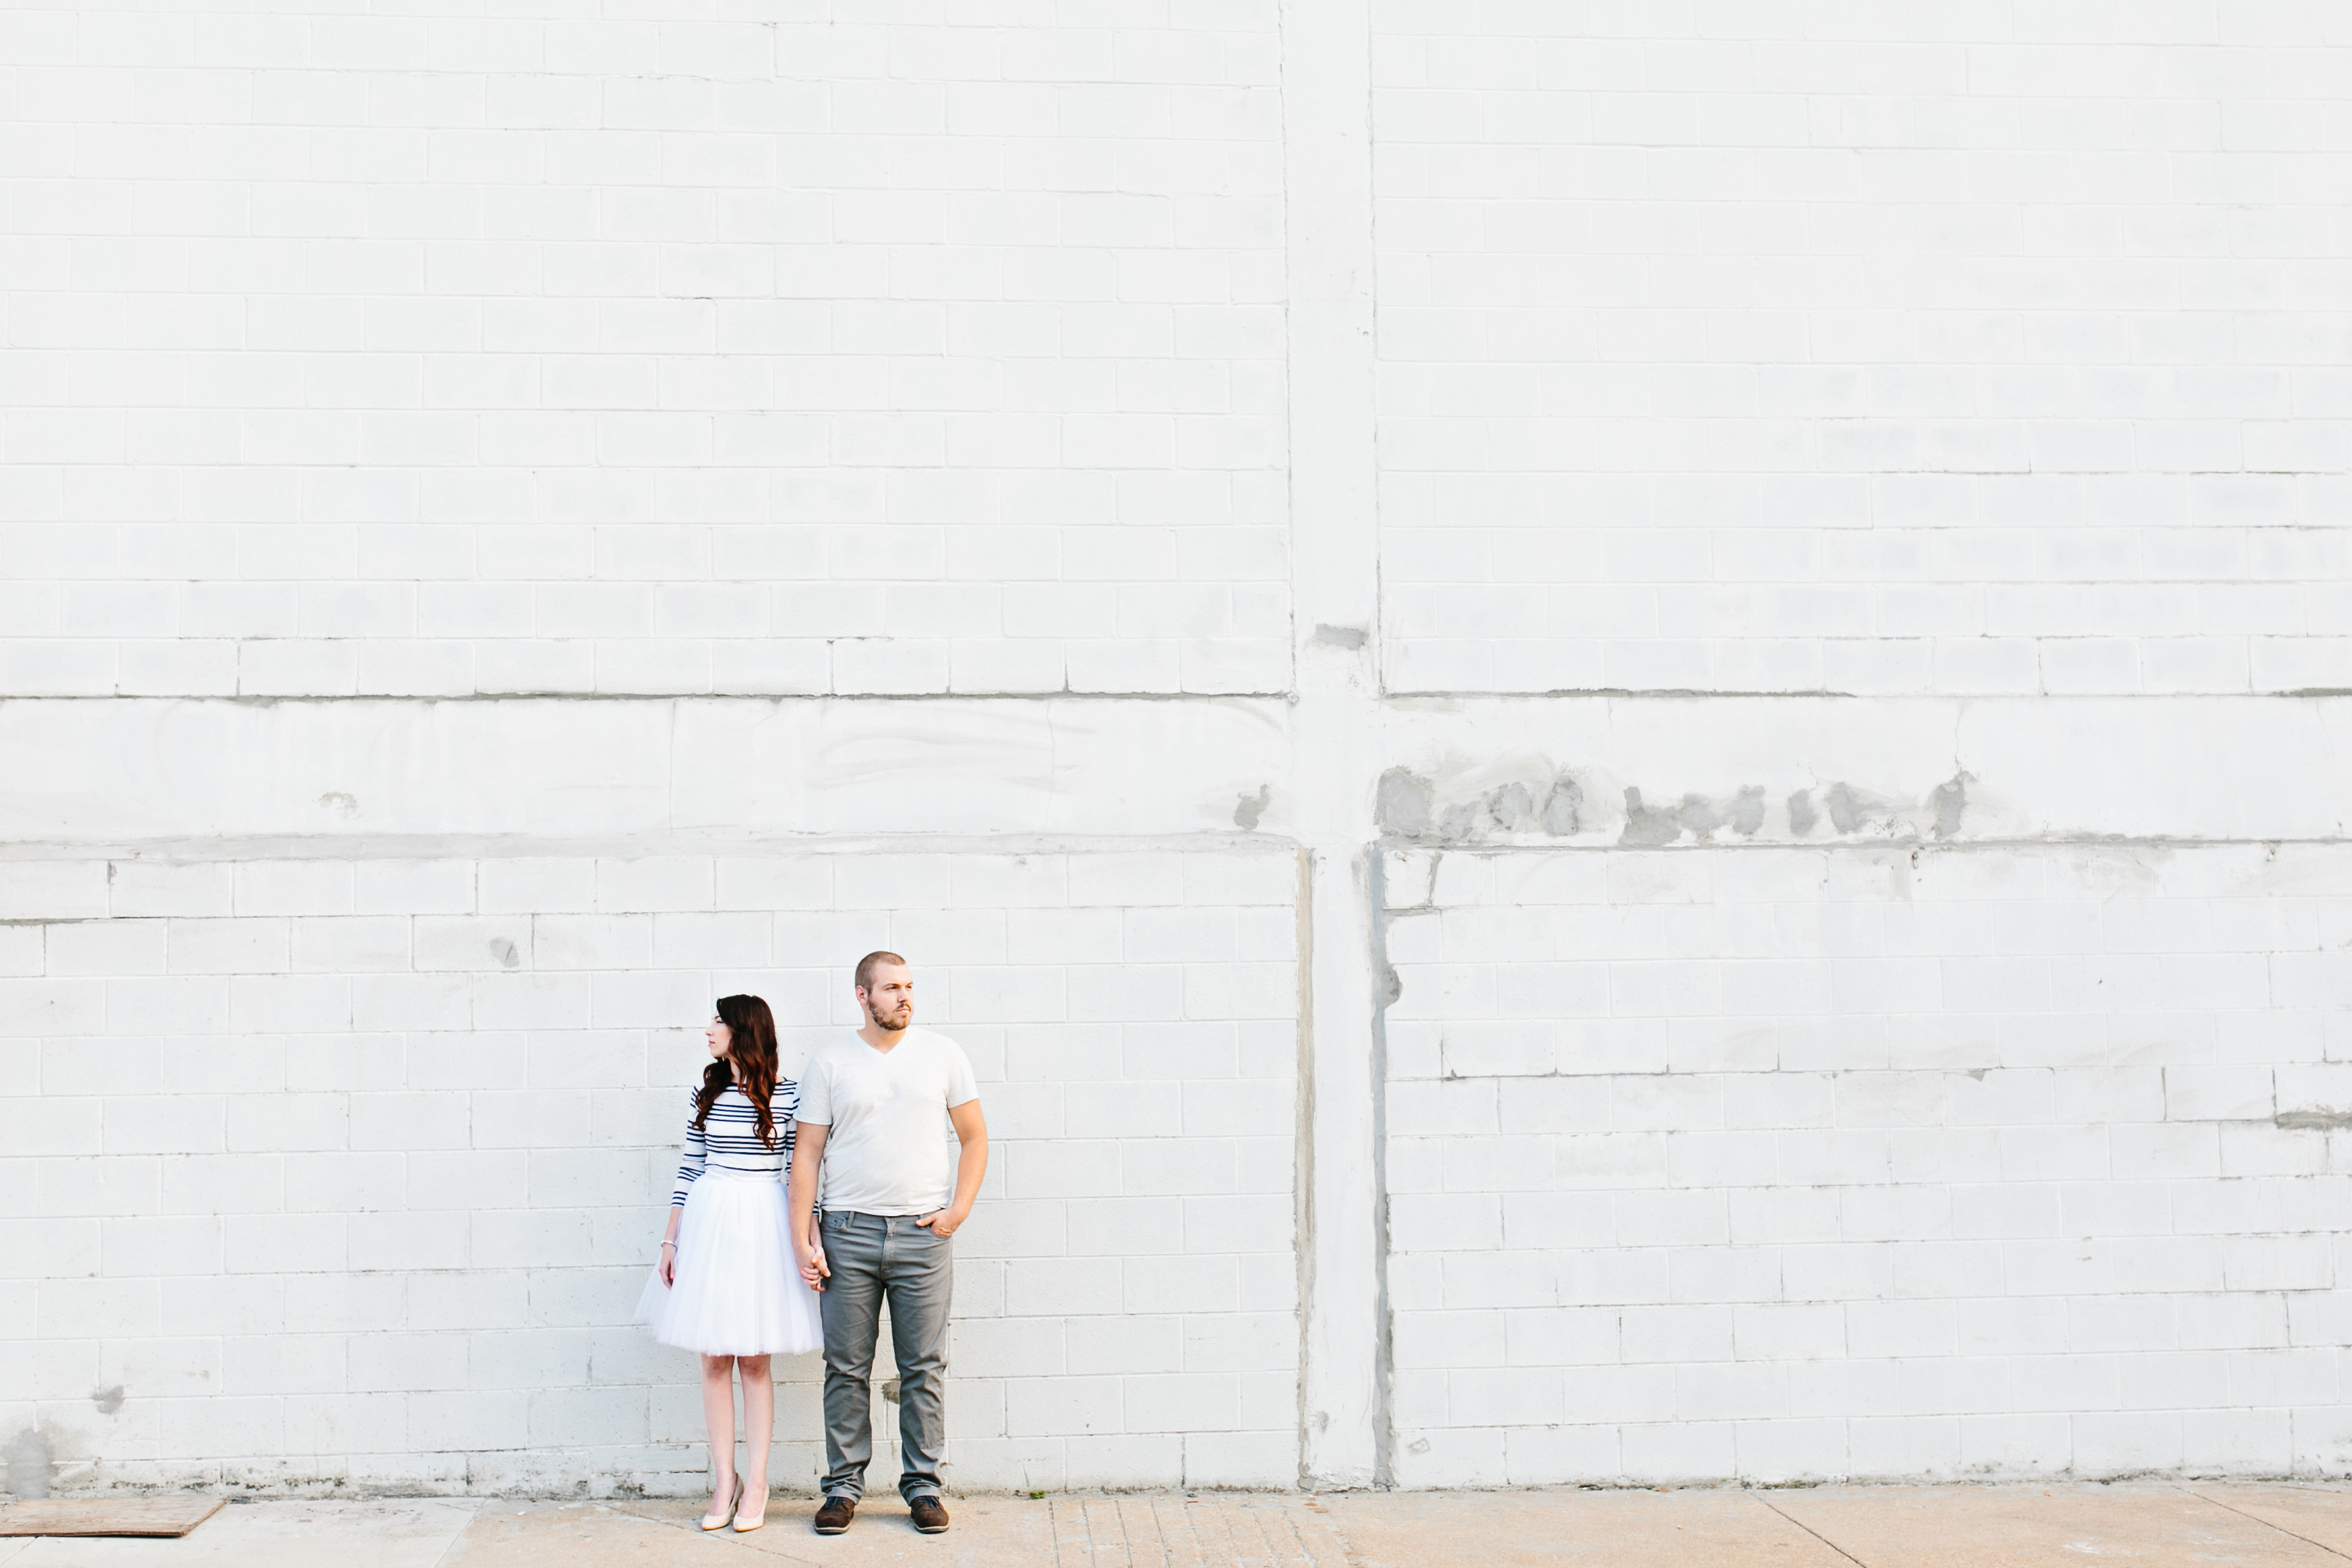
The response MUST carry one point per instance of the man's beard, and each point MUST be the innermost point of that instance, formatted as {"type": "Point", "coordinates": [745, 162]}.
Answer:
{"type": "Point", "coordinates": [894, 1021]}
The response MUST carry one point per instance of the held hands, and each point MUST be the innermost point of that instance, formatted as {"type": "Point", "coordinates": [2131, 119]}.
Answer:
{"type": "Point", "coordinates": [814, 1272]}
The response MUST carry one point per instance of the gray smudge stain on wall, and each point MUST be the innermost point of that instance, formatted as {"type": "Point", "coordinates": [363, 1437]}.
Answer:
{"type": "Point", "coordinates": [1696, 815]}
{"type": "Point", "coordinates": [1411, 806]}
{"type": "Point", "coordinates": [1647, 824]}
{"type": "Point", "coordinates": [1855, 810]}
{"type": "Point", "coordinates": [1513, 807]}
{"type": "Point", "coordinates": [1563, 812]}
{"type": "Point", "coordinates": [1802, 815]}
{"type": "Point", "coordinates": [29, 1464]}
{"type": "Point", "coordinates": [1406, 806]}
{"type": "Point", "coordinates": [1846, 806]}
{"type": "Point", "coordinates": [1401, 803]}
{"type": "Point", "coordinates": [1248, 808]}
{"type": "Point", "coordinates": [1949, 799]}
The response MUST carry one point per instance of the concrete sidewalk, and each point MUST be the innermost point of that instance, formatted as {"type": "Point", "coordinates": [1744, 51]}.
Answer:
{"type": "Point", "coordinates": [1826, 1526]}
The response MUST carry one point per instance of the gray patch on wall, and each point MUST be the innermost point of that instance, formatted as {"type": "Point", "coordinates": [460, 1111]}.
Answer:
{"type": "Point", "coordinates": [1849, 810]}
{"type": "Point", "coordinates": [1648, 825]}
{"type": "Point", "coordinates": [1949, 799]}
{"type": "Point", "coordinates": [2312, 1121]}
{"type": "Point", "coordinates": [1563, 812]}
{"type": "Point", "coordinates": [1349, 637]}
{"type": "Point", "coordinates": [342, 805]}
{"type": "Point", "coordinates": [29, 1461]}
{"type": "Point", "coordinates": [1856, 810]}
{"type": "Point", "coordinates": [1801, 814]}
{"type": "Point", "coordinates": [1849, 805]}
{"type": "Point", "coordinates": [107, 1400]}
{"type": "Point", "coordinates": [505, 952]}
{"type": "Point", "coordinates": [1516, 808]}
{"type": "Point", "coordinates": [1406, 806]}
{"type": "Point", "coordinates": [1248, 808]}
{"type": "Point", "coordinates": [1697, 815]}
{"type": "Point", "coordinates": [1513, 807]}
{"type": "Point", "coordinates": [1402, 802]}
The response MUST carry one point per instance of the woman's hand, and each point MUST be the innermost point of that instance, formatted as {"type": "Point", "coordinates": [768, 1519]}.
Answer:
{"type": "Point", "coordinates": [668, 1267]}
{"type": "Point", "coordinates": [815, 1270]}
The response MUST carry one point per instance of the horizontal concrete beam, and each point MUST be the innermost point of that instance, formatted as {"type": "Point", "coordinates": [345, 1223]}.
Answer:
{"type": "Point", "coordinates": [140, 769]}
{"type": "Point", "coordinates": [1580, 770]}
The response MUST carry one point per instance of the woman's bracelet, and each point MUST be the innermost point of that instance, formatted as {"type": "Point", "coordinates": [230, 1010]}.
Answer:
{"type": "Point", "coordinates": [667, 1242]}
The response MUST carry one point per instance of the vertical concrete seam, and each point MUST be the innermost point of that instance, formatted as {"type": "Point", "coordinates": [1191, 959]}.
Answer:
{"type": "Point", "coordinates": [1289, 371]}
{"type": "Point", "coordinates": [1289, 464]}
{"type": "Point", "coordinates": [1383, 1334]}
{"type": "Point", "coordinates": [1374, 631]}
{"type": "Point", "coordinates": [1303, 1160]}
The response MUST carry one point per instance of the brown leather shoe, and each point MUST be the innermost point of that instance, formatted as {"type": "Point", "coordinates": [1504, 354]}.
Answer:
{"type": "Point", "coordinates": [834, 1516]}
{"type": "Point", "coordinates": [929, 1514]}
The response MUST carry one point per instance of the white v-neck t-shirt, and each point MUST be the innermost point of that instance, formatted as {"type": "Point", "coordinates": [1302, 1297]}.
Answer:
{"type": "Point", "coordinates": [888, 1152]}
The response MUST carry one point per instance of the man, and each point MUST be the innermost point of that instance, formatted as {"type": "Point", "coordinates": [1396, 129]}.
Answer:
{"type": "Point", "coordinates": [872, 1105]}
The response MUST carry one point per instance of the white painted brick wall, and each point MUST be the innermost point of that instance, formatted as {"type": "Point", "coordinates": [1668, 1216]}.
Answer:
{"type": "Point", "coordinates": [1786, 1163]}
{"type": "Point", "coordinates": [840, 350]}
{"type": "Point", "coordinates": [350, 1170]}
{"type": "Point", "coordinates": [1873, 349]}
{"type": "Point", "coordinates": [751, 375]}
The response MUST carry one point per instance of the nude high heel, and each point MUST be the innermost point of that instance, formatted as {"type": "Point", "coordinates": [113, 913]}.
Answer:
{"type": "Point", "coordinates": [757, 1519]}
{"type": "Point", "coordinates": [719, 1520]}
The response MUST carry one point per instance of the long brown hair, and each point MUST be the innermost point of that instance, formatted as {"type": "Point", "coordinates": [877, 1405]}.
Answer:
{"type": "Point", "coordinates": [750, 1058]}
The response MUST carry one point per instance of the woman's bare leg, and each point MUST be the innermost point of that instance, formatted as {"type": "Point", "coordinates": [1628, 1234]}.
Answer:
{"type": "Point", "coordinates": [718, 1415]}
{"type": "Point", "coordinates": [759, 1424]}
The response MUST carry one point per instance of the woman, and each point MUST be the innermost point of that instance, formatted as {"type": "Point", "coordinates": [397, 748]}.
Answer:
{"type": "Point", "coordinates": [726, 1285]}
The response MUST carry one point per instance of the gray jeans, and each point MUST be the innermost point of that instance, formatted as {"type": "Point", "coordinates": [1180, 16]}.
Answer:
{"type": "Point", "coordinates": [874, 1257]}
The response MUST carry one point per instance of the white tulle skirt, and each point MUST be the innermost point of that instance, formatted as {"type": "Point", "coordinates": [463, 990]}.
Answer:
{"type": "Point", "coordinates": [738, 1291]}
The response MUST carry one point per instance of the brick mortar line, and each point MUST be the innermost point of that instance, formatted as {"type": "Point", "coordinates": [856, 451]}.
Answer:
{"type": "Point", "coordinates": [1385, 694]}
{"type": "Point", "coordinates": [246, 849]}
{"type": "Point", "coordinates": [263, 849]}
{"type": "Point", "coordinates": [413, 698]}
{"type": "Point", "coordinates": [1303, 1214]}
{"type": "Point", "coordinates": [1383, 977]}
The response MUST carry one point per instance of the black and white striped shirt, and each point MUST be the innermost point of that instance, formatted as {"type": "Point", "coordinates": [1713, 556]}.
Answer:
{"type": "Point", "coordinates": [729, 1136]}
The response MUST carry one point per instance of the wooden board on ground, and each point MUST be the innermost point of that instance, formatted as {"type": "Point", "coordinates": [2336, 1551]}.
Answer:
{"type": "Point", "coordinates": [107, 1516]}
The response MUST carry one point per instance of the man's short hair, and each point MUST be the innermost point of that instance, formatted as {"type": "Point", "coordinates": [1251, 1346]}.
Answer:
{"type": "Point", "coordinates": [872, 961]}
